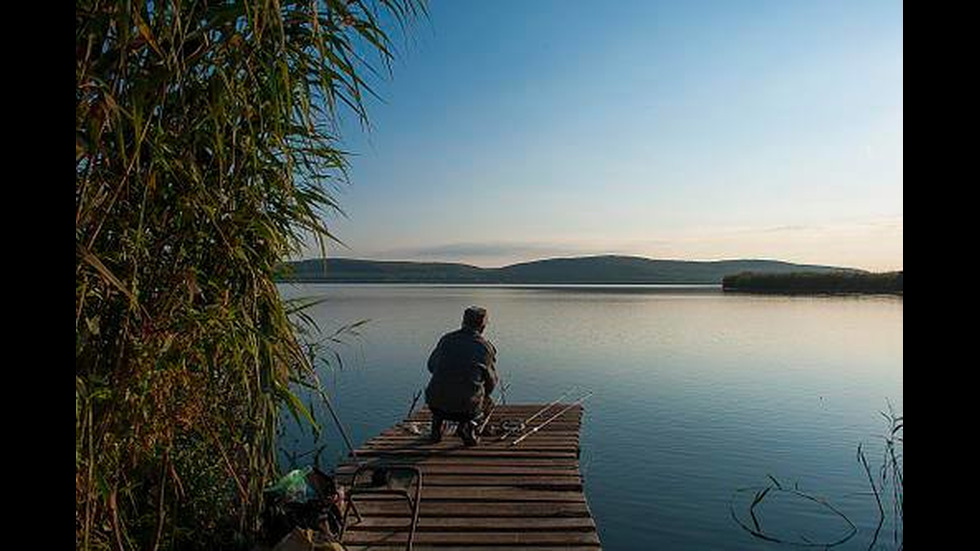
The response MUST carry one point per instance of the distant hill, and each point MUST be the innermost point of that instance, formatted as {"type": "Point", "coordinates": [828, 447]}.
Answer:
{"type": "Point", "coordinates": [584, 270]}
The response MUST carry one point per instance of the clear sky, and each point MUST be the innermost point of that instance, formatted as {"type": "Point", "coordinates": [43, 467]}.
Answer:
{"type": "Point", "coordinates": [517, 130]}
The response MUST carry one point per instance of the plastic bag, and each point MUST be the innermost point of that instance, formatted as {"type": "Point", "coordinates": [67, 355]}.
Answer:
{"type": "Point", "coordinates": [293, 487]}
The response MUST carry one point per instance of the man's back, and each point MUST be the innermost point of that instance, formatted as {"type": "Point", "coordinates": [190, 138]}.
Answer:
{"type": "Point", "coordinates": [463, 372]}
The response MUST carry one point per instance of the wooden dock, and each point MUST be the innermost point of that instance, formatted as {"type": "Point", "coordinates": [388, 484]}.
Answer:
{"type": "Point", "coordinates": [492, 496]}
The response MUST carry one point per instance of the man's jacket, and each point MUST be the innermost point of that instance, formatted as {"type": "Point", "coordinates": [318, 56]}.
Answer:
{"type": "Point", "coordinates": [463, 372]}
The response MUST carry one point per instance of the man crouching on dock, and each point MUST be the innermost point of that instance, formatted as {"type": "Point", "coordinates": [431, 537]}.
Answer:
{"type": "Point", "coordinates": [463, 376]}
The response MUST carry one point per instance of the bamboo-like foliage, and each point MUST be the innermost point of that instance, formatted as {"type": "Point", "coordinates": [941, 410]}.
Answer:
{"type": "Point", "coordinates": [205, 150]}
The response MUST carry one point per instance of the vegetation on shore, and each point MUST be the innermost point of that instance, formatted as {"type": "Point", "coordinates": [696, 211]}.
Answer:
{"type": "Point", "coordinates": [816, 283]}
{"type": "Point", "coordinates": [206, 149]}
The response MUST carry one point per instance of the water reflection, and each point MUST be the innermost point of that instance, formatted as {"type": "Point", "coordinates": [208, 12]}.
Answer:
{"type": "Point", "coordinates": [698, 393]}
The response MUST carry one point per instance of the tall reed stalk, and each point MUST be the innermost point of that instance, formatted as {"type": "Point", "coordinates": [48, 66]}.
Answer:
{"type": "Point", "coordinates": [888, 487]}
{"type": "Point", "coordinates": [206, 150]}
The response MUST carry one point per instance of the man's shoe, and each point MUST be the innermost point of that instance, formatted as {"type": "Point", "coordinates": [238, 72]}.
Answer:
{"type": "Point", "coordinates": [435, 435]}
{"type": "Point", "coordinates": [466, 433]}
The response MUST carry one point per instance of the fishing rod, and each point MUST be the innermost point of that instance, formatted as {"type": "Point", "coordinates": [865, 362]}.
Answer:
{"type": "Point", "coordinates": [493, 406]}
{"type": "Point", "coordinates": [336, 420]}
{"type": "Point", "coordinates": [547, 407]}
{"type": "Point", "coordinates": [414, 401]}
{"type": "Point", "coordinates": [552, 418]}
{"type": "Point", "coordinates": [523, 424]}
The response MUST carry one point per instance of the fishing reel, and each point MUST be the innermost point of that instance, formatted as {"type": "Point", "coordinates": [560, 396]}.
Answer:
{"type": "Point", "coordinates": [504, 428]}
{"type": "Point", "coordinates": [511, 425]}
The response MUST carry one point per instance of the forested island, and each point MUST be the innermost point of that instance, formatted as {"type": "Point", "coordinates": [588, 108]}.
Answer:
{"type": "Point", "coordinates": [816, 283]}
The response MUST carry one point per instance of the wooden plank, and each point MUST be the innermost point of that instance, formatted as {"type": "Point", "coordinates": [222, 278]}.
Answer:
{"type": "Point", "coordinates": [521, 414]}
{"type": "Point", "coordinates": [570, 484]}
{"type": "Point", "coordinates": [488, 493]}
{"type": "Point", "coordinates": [524, 446]}
{"type": "Point", "coordinates": [486, 438]}
{"type": "Point", "coordinates": [423, 432]}
{"type": "Point", "coordinates": [568, 417]}
{"type": "Point", "coordinates": [491, 436]}
{"type": "Point", "coordinates": [565, 423]}
{"type": "Point", "coordinates": [485, 441]}
{"type": "Point", "coordinates": [522, 481]}
{"type": "Point", "coordinates": [440, 459]}
{"type": "Point", "coordinates": [479, 524]}
{"type": "Point", "coordinates": [401, 546]}
{"type": "Point", "coordinates": [378, 508]}
{"type": "Point", "coordinates": [452, 444]}
{"type": "Point", "coordinates": [479, 470]}
{"type": "Point", "coordinates": [514, 453]}
{"type": "Point", "coordinates": [521, 408]}
{"type": "Point", "coordinates": [551, 428]}
{"type": "Point", "coordinates": [521, 538]}
{"type": "Point", "coordinates": [565, 418]}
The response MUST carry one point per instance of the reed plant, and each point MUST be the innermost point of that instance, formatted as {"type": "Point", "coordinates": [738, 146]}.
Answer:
{"type": "Point", "coordinates": [206, 152]}
{"type": "Point", "coordinates": [888, 484]}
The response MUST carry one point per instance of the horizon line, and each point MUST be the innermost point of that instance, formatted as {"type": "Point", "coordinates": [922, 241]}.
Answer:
{"type": "Point", "coordinates": [589, 256]}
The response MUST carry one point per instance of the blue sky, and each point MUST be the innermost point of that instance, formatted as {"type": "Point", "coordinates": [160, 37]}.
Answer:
{"type": "Point", "coordinates": [695, 130]}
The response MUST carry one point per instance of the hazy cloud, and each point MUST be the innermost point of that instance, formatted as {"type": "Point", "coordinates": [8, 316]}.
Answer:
{"type": "Point", "coordinates": [489, 250]}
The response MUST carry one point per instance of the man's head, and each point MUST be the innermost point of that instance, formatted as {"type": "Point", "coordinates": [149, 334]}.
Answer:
{"type": "Point", "coordinates": [475, 318]}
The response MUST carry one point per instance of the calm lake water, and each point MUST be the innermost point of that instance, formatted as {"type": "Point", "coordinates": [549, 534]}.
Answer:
{"type": "Point", "coordinates": [698, 396]}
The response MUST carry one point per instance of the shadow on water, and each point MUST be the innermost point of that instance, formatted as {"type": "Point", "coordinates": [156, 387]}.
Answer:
{"type": "Point", "coordinates": [793, 517]}
{"type": "Point", "coordinates": [793, 504]}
